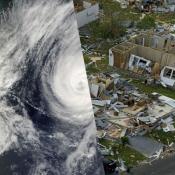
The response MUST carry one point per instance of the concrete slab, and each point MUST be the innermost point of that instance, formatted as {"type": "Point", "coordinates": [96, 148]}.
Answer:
{"type": "Point", "coordinates": [146, 146]}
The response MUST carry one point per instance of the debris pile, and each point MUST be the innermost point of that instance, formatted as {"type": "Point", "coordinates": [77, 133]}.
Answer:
{"type": "Point", "coordinates": [121, 110]}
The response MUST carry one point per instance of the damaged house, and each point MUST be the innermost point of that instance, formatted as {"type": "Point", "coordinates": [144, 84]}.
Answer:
{"type": "Point", "coordinates": [121, 111]}
{"type": "Point", "coordinates": [153, 53]}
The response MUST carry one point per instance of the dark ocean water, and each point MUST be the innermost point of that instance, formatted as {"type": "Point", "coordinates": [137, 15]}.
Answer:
{"type": "Point", "coordinates": [4, 4]}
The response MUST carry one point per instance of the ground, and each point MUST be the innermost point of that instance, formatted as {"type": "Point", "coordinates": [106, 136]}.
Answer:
{"type": "Point", "coordinates": [102, 66]}
{"type": "Point", "coordinates": [127, 154]}
{"type": "Point", "coordinates": [136, 80]}
{"type": "Point", "coordinates": [163, 137]}
{"type": "Point", "coordinates": [164, 17]}
{"type": "Point", "coordinates": [148, 89]}
{"type": "Point", "coordinates": [130, 156]}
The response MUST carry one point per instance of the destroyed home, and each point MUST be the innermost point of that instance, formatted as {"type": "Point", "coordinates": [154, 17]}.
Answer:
{"type": "Point", "coordinates": [147, 53]}
{"type": "Point", "coordinates": [121, 110]}
{"type": "Point", "coordinates": [134, 125]}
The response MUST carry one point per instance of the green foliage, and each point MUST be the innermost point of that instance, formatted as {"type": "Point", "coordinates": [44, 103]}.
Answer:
{"type": "Point", "coordinates": [168, 18]}
{"type": "Point", "coordinates": [114, 148]}
{"type": "Point", "coordinates": [163, 137]}
{"type": "Point", "coordinates": [86, 59]}
{"type": "Point", "coordinates": [109, 6]}
{"type": "Point", "coordinates": [102, 66]}
{"type": "Point", "coordinates": [110, 25]}
{"type": "Point", "coordinates": [148, 89]}
{"type": "Point", "coordinates": [108, 28]}
{"type": "Point", "coordinates": [124, 140]}
{"type": "Point", "coordinates": [130, 156]}
{"type": "Point", "coordinates": [147, 22]}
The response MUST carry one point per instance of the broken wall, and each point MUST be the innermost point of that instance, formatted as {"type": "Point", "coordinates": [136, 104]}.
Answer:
{"type": "Point", "coordinates": [153, 41]}
{"type": "Point", "coordinates": [161, 57]}
{"type": "Point", "coordinates": [149, 53]}
{"type": "Point", "coordinates": [168, 59]}
{"type": "Point", "coordinates": [121, 58]}
{"type": "Point", "coordinates": [143, 40]}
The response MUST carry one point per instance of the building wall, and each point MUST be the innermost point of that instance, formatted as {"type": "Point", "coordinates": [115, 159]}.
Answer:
{"type": "Point", "coordinates": [88, 15]}
{"type": "Point", "coordinates": [153, 41]}
{"type": "Point", "coordinates": [154, 55]}
{"type": "Point", "coordinates": [161, 57]}
{"type": "Point", "coordinates": [121, 58]}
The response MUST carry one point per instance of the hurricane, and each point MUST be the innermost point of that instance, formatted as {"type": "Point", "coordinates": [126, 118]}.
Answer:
{"type": "Point", "coordinates": [46, 118]}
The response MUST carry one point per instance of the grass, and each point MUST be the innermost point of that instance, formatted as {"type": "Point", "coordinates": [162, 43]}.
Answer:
{"type": "Point", "coordinates": [148, 89]}
{"type": "Point", "coordinates": [110, 26]}
{"type": "Point", "coordinates": [163, 137]}
{"type": "Point", "coordinates": [105, 46]}
{"type": "Point", "coordinates": [164, 17]}
{"type": "Point", "coordinates": [130, 156]}
{"type": "Point", "coordinates": [87, 59]}
{"type": "Point", "coordinates": [102, 66]}
{"type": "Point", "coordinates": [138, 81]}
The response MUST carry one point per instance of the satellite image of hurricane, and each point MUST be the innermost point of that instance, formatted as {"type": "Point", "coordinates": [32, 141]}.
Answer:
{"type": "Point", "coordinates": [46, 119]}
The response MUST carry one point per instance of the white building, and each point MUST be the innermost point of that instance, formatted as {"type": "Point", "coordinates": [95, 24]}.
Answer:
{"type": "Point", "coordinates": [88, 14]}
{"type": "Point", "coordinates": [168, 75]}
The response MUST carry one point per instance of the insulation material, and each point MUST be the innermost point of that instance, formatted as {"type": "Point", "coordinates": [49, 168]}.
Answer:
{"type": "Point", "coordinates": [156, 70]}
{"type": "Point", "coordinates": [121, 58]}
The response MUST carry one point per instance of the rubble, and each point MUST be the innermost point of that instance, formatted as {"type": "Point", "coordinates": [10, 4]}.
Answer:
{"type": "Point", "coordinates": [136, 62]}
{"type": "Point", "coordinates": [123, 102]}
{"type": "Point", "coordinates": [121, 110]}
{"type": "Point", "coordinates": [168, 124]}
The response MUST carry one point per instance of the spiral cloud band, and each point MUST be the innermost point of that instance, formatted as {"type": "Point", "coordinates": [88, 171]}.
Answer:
{"type": "Point", "coordinates": [46, 119]}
